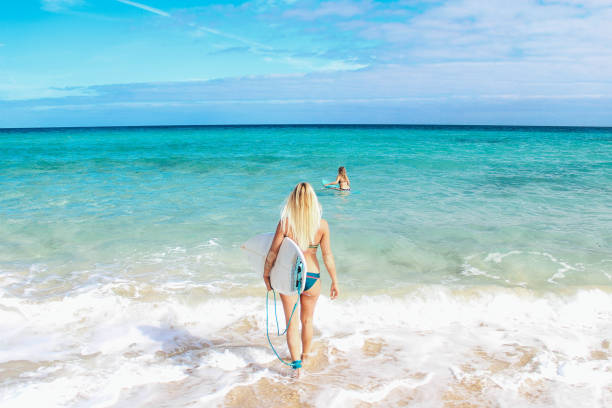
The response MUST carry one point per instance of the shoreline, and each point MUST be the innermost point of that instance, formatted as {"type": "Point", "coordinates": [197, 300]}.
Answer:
{"type": "Point", "coordinates": [434, 348]}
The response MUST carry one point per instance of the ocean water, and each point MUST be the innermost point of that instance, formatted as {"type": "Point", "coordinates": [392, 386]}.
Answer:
{"type": "Point", "coordinates": [475, 266]}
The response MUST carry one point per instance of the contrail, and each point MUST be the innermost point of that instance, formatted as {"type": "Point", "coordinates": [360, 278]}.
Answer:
{"type": "Point", "coordinates": [145, 7]}
{"type": "Point", "coordinates": [201, 27]}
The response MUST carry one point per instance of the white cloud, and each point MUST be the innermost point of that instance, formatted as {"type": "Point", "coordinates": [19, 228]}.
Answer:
{"type": "Point", "coordinates": [331, 8]}
{"type": "Point", "coordinates": [495, 31]}
{"type": "Point", "coordinates": [339, 65]}
{"type": "Point", "coordinates": [329, 101]}
{"type": "Point", "coordinates": [475, 80]}
{"type": "Point", "coordinates": [580, 3]}
{"type": "Point", "coordinates": [10, 92]}
{"type": "Point", "coordinates": [520, 50]}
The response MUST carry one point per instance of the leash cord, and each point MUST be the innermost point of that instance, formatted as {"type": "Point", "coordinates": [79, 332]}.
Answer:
{"type": "Point", "coordinates": [297, 363]}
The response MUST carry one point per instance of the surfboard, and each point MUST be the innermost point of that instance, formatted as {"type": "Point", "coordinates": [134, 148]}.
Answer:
{"type": "Point", "coordinates": [288, 275]}
{"type": "Point", "coordinates": [325, 181]}
{"type": "Point", "coordinates": [336, 187]}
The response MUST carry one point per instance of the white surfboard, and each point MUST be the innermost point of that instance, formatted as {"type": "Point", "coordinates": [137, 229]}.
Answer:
{"type": "Point", "coordinates": [286, 271]}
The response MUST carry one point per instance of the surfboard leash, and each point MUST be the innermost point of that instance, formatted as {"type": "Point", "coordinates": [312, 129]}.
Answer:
{"type": "Point", "coordinates": [297, 363]}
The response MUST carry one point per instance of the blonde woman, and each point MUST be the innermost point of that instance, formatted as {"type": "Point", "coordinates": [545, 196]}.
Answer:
{"type": "Point", "coordinates": [342, 180]}
{"type": "Point", "coordinates": [301, 221]}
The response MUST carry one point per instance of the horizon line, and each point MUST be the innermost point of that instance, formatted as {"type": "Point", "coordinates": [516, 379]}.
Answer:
{"type": "Point", "coordinates": [297, 125]}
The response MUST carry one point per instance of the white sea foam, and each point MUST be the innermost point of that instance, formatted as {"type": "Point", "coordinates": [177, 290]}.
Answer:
{"type": "Point", "coordinates": [498, 257]}
{"type": "Point", "coordinates": [469, 270]}
{"type": "Point", "coordinates": [99, 347]}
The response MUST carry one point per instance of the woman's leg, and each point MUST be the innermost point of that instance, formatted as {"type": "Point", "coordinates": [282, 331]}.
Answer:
{"type": "Point", "coordinates": [293, 335]}
{"type": "Point", "coordinates": [308, 302]}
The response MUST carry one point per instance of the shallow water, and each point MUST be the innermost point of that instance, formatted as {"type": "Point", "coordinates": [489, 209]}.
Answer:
{"type": "Point", "coordinates": [475, 266]}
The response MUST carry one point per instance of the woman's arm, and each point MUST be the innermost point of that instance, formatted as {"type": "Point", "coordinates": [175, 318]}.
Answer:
{"type": "Point", "coordinates": [333, 182]}
{"type": "Point", "coordinates": [279, 235]}
{"type": "Point", "coordinates": [328, 260]}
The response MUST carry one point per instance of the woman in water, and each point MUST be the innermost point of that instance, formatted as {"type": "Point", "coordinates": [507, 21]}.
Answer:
{"type": "Point", "coordinates": [342, 180]}
{"type": "Point", "coordinates": [301, 221]}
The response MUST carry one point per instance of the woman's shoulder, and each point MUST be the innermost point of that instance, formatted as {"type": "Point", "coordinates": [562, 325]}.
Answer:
{"type": "Point", "coordinates": [283, 226]}
{"type": "Point", "coordinates": [324, 225]}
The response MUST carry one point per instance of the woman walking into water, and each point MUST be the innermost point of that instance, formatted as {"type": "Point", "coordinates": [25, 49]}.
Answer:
{"type": "Point", "coordinates": [301, 221]}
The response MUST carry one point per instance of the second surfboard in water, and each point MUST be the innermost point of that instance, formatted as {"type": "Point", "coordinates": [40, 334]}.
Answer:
{"type": "Point", "coordinates": [336, 187]}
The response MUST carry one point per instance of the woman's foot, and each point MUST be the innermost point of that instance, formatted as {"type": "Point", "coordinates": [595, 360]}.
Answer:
{"type": "Point", "coordinates": [305, 357]}
{"type": "Point", "coordinates": [297, 366]}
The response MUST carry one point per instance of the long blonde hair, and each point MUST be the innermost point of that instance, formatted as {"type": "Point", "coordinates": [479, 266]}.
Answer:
{"type": "Point", "coordinates": [302, 214]}
{"type": "Point", "coordinates": [342, 173]}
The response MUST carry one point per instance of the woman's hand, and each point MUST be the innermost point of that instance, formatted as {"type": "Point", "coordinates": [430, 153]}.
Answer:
{"type": "Point", "coordinates": [334, 292]}
{"type": "Point", "coordinates": [267, 282]}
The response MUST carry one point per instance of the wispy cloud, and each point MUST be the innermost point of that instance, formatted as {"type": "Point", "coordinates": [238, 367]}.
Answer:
{"type": "Point", "coordinates": [230, 50]}
{"type": "Point", "coordinates": [56, 6]}
{"type": "Point", "coordinates": [390, 83]}
{"type": "Point", "coordinates": [314, 98]}
{"type": "Point", "coordinates": [320, 101]}
{"type": "Point", "coordinates": [331, 8]}
{"type": "Point", "coordinates": [523, 55]}
{"type": "Point", "coordinates": [495, 30]}
{"type": "Point", "coordinates": [198, 27]}
{"type": "Point", "coordinates": [145, 7]}
{"type": "Point", "coordinates": [315, 64]}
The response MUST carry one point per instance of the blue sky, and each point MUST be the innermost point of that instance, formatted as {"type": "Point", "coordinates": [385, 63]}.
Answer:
{"type": "Point", "coordinates": [155, 62]}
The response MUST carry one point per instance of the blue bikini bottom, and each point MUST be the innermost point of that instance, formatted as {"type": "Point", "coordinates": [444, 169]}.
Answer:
{"type": "Point", "coordinates": [311, 279]}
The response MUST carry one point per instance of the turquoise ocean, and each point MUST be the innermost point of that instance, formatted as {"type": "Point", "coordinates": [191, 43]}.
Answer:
{"type": "Point", "coordinates": [474, 263]}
